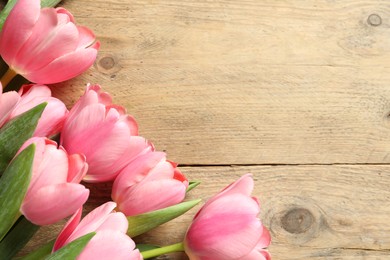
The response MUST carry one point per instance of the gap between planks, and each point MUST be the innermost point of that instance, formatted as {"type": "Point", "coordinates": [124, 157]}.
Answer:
{"type": "Point", "coordinates": [283, 164]}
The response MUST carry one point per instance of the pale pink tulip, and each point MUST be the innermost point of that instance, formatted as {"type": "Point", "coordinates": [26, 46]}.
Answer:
{"type": "Point", "coordinates": [227, 226]}
{"type": "Point", "coordinates": [110, 240]}
{"type": "Point", "coordinates": [104, 133]}
{"type": "Point", "coordinates": [8, 102]}
{"type": "Point", "coordinates": [52, 118]}
{"type": "Point", "coordinates": [44, 45]}
{"type": "Point", "coordinates": [54, 191]}
{"type": "Point", "coordinates": [149, 178]}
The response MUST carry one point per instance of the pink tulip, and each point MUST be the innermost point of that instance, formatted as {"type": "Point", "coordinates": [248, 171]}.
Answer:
{"type": "Point", "coordinates": [227, 226]}
{"type": "Point", "coordinates": [149, 178]}
{"type": "Point", "coordinates": [44, 45]}
{"type": "Point", "coordinates": [8, 102]}
{"type": "Point", "coordinates": [53, 116]}
{"type": "Point", "coordinates": [103, 133]}
{"type": "Point", "coordinates": [110, 240]}
{"type": "Point", "coordinates": [54, 191]}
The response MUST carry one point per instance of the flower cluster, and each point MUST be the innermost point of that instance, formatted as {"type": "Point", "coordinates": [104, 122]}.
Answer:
{"type": "Point", "coordinates": [48, 152]}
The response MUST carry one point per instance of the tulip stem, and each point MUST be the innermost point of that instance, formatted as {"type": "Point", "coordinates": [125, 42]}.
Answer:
{"type": "Point", "coordinates": [7, 77]}
{"type": "Point", "coordinates": [179, 247]}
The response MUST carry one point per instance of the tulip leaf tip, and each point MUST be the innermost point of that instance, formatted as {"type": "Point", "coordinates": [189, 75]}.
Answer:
{"type": "Point", "coordinates": [192, 185]}
{"type": "Point", "coordinates": [142, 223]}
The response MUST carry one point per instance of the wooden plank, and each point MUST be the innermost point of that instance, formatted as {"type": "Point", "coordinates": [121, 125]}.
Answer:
{"type": "Point", "coordinates": [247, 82]}
{"type": "Point", "coordinates": [313, 212]}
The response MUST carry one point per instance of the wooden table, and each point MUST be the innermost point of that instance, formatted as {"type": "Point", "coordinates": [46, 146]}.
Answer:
{"type": "Point", "coordinates": [295, 92]}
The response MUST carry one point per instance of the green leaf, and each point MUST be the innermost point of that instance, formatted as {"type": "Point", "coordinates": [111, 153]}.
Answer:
{"type": "Point", "coordinates": [40, 253]}
{"type": "Point", "coordinates": [16, 132]}
{"type": "Point", "coordinates": [13, 187]}
{"type": "Point", "coordinates": [17, 238]}
{"type": "Point", "coordinates": [49, 3]}
{"type": "Point", "coordinates": [11, 3]}
{"type": "Point", "coordinates": [146, 247]}
{"type": "Point", "coordinates": [71, 250]}
{"type": "Point", "coordinates": [142, 223]}
{"type": "Point", "coordinates": [5, 12]}
{"type": "Point", "coordinates": [192, 185]}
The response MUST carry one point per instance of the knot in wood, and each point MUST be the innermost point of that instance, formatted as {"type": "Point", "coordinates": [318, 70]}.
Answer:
{"type": "Point", "coordinates": [297, 220]}
{"type": "Point", "coordinates": [374, 20]}
{"type": "Point", "coordinates": [107, 62]}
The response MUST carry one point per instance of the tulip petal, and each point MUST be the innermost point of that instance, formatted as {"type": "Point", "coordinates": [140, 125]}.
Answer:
{"type": "Point", "coordinates": [243, 185]}
{"type": "Point", "coordinates": [93, 220]}
{"type": "Point", "coordinates": [109, 244]}
{"type": "Point", "coordinates": [60, 41]}
{"type": "Point", "coordinates": [92, 119]}
{"type": "Point", "coordinates": [8, 102]}
{"type": "Point", "coordinates": [90, 97]}
{"type": "Point", "coordinates": [48, 205]}
{"type": "Point", "coordinates": [30, 92]}
{"type": "Point", "coordinates": [137, 146]}
{"type": "Point", "coordinates": [133, 199]}
{"type": "Point", "coordinates": [67, 230]}
{"type": "Point", "coordinates": [43, 27]}
{"type": "Point", "coordinates": [228, 204]}
{"type": "Point", "coordinates": [63, 67]}
{"type": "Point", "coordinates": [265, 239]}
{"type": "Point", "coordinates": [53, 116]}
{"type": "Point", "coordinates": [86, 37]}
{"type": "Point", "coordinates": [77, 168]}
{"type": "Point", "coordinates": [135, 171]}
{"type": "Point", "coordinates": [18, 27]}
{"type": "Point", "coordinates": [53, 159]}
{"type": "Point", "coordinates": [224, 236]}
{"type": "Point", "coordinates": [115, 221]}
{"type": "Point", "coordinates": [259, 253]}
{"type": "Point", "coordinates": [65, 13]}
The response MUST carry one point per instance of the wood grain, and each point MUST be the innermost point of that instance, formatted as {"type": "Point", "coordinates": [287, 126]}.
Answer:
{"type": "Point", "coordinates": [296, 92]}
{"type": "Point", "coordinates": [313, 212]}
{"type": "Point", "coordinates": [248, 82]}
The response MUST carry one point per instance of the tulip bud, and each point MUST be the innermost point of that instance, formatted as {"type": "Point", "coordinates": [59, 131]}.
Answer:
{"type": "Point", "coordinates": [104, 133]}
{"type": "Point", "coordinates": [149, 177]}
{"type": "Point", "coordinates": [55, 173]}
{"type": "Point", "coordinates": [110, 241]}
{"type": "Point", "coordinates": [227, 226]}
{"type": "Point", "coordinates": [48, 47]}
{"type": "Point", "coordinates": [52, 117]}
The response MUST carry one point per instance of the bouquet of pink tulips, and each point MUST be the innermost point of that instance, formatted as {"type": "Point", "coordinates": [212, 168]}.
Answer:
{"type": "Point", "coordinates": [48, 152]}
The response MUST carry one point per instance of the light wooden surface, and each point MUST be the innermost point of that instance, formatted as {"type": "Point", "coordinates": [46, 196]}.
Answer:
{"type": "Point", "coordinates": [295, 92]}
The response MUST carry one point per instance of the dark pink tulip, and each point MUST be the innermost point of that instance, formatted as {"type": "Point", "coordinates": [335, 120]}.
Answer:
{"type": "Point", "coordinates": [54, 192]}
{"type": "Point", "coordinates": [227, 226]}
{"type": "Point", "coordinates": [44, 45]}
{"type": "Point", "coordinates": [148, 178]}
{"type": "Point", "coordinates": [110, 240]}
{"type": "Point", "coordinates": [104, 133]}
{"type": "Point", "coordinates": [53, 116]}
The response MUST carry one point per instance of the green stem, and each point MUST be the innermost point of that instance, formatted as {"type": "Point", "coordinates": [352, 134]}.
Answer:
{"type": "Point", "coordinates": [179, 247]}
{"type": "Point", "coordinates": [7, 77]}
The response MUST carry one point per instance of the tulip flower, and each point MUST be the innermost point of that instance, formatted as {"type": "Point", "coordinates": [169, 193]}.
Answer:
{"type": "Point", "coordinates": [44, 45]}
{"type": "Point", "coordinates": [227, 226]}
{"type": "Point", "coordinates": [149, 177]}
{"type": "Point", "coordinates": [8, 102]}
{"type": "Point", "coordinates": [103, 133]}
{"type": "Point", "coordinates": [54, 191]}
{"type": "Point", "coordinates": [110, 241]}
{"type": "Point", "coordinates": [53, 116]}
